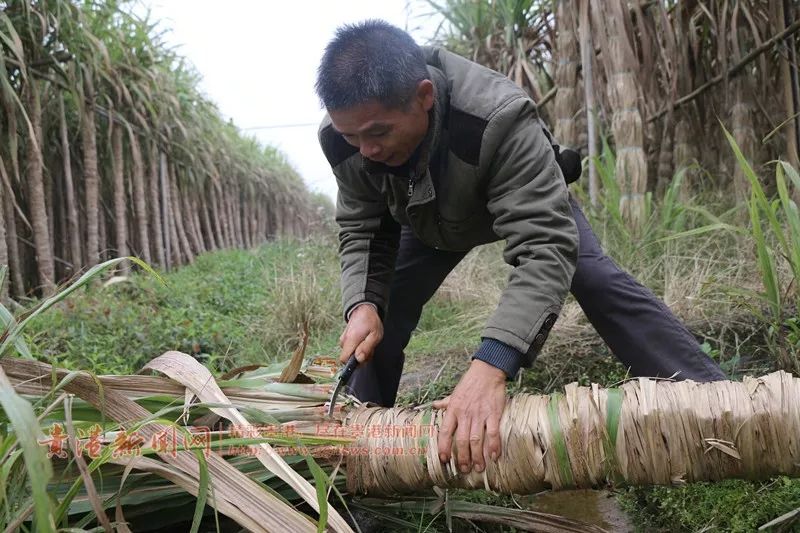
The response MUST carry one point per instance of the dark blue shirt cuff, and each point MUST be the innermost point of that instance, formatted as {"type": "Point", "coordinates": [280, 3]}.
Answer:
{"type": "Point", "coordinates": [500, 355]}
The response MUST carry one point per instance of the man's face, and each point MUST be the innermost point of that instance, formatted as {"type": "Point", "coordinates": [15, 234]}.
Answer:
{"type": "Point", "coordinates": [386, 135]}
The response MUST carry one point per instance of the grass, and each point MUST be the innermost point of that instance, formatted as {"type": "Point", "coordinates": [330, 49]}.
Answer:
{"type": "Point", "coordinates": [228, 308]}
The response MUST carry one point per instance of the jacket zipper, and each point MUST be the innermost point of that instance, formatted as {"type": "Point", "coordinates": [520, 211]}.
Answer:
{"type": "Point", "coordinates": [411, 184]}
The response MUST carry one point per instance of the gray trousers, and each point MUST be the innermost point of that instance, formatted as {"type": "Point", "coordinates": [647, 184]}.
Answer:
{"type": "Point", "coordinates": [637, 326]}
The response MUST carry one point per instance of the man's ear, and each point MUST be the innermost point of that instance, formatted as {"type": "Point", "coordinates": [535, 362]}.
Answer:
{"type": "Point", "coordinates": [425, 94]}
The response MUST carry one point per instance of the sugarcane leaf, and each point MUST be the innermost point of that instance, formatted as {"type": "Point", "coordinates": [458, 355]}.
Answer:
{"type": "Point", "coordinates": [189, 372]}
{"type": "Point", "coordinates": [190, 485]}
{"type": "Point", "coordinates": [12, 40]}
{"type": "Point", "coordinates": [29, 434]}
{"type": "Point", "coordinates": [758, 197]}
{"type": "Point", "coordinates": [792, 219]}
{"type": "Point", "coordinates": [700, 231]}
{"type": "Point", "coordinates": [289, 373]}
{"type": "Point", "coordinates": [321, 483]}
{"type": "Point", "coordinates": [5, 470]}
{"type": "Point", "coordinates": [518, 518]}
{"type": "Point", "coordinates": [7, 322]}
{"type": "Point", "coordinates": [85, 476]}
{"type": "Point", "coordinates": [263, 511]}
{"type": "Point", "coordinates": [202, 492]}
{"type": "Point", "coordinates": [766, 265]}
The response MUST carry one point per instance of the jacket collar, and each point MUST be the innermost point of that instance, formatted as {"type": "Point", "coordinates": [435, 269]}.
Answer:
{"type": "Point", "coordinates": [421, 157]}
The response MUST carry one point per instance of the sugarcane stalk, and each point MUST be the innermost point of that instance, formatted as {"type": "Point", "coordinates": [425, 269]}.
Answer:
{"type": "Point", "coordinates": [646, 432]}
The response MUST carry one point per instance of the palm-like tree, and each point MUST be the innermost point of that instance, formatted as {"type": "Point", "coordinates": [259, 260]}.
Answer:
{"type": "Point", "coordinates": [672, 70]}
{"type": "Point", "coordinates": [109, 143]}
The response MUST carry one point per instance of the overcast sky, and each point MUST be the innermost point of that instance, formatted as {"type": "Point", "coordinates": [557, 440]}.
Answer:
{"type": "Point", "coordinates": [258, 60]}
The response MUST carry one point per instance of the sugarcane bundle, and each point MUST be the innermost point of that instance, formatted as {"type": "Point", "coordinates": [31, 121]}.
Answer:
{"type": "Point", "coordinates": [644, 432]}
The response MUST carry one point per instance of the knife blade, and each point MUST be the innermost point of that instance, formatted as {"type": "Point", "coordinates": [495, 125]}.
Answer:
{"type": "Point", "coordinates": [344, 377]}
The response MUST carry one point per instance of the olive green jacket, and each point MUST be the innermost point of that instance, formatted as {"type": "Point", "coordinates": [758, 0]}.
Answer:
{"type": "Point", "coordinates": [485, 171]}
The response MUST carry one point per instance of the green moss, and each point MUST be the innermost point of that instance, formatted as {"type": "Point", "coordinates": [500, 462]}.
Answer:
{"type": "Point", "coordinates": [732, 505]}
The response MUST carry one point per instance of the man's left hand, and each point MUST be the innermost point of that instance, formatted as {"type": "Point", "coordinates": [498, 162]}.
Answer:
{"type": "Point", "coordinates": [473, 414]}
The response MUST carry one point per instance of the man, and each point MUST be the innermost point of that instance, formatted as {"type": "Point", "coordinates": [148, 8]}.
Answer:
{"type": "Point", "coordinates": [434, 155]}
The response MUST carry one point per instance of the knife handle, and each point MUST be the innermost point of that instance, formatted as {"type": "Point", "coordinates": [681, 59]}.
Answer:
{"type": "Point", "coordinates": [351, 365]}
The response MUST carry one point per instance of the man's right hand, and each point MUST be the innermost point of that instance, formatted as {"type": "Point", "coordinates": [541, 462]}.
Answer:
{"type": "Point", "coordinates": [362, 334]}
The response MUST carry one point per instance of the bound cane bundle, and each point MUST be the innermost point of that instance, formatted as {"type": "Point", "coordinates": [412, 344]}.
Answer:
{"type": "Point", "coordinates": [642, 433]}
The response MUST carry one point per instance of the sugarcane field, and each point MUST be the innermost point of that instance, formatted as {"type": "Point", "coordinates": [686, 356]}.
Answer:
{"type": "Point", "coordinates": [410, 265]}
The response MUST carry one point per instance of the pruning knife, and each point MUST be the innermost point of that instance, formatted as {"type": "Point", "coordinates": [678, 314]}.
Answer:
{"type": "Point", "coordinates": [344, 377]}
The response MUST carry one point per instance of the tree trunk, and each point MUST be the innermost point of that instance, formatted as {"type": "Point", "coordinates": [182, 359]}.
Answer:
{"type": "Point", "coordinates": [102, 234]}
{"type": "Point", "coordinates": [664, 168]}
{"type": "Point", "coordinates": [73, 231]}
{"type": "Point", "coordinates": [260, 215]}
{"type": "Point", "coordinates": [188, 221]}
{"type": "Point", "coordinates": [202, 206]}
{"type": "Point", "coordinates": [195, 216]}
{"type": "Point", "coordinates": [236, 213]}
{"type": "Point", "coordinates": [222, 205]}
{"type": "Point", "coordinates": [177, 216]}
{"type": "Point", "coordinates": [139, 200]}
{"type": "Point", "coordinates": [245, 213]}
{"type": "Point", "coordinates": [587, 58]}
{"type": "Point", "coordinates": [91, 176]}
{"type": "Point", "coordinates": [166, 219]}
{"type": "Point", "coordinates": [35, 178]}
{"type": "Point", "coordinates": [626, 122]}
{"type": "Point", "coordinates": [684, 151]}
{"type": "Point", "coordinates": [11, 242]}
{"type": "Point", "coordinates": [118, 184]}
{"type": "Point", "coordinates": [57, 212]}
{"type": "Point", "coordinates": [173, 250]}
{"type": "Point", "coordinates": [16, 280]}
{"type": "Point", "coordinates": [790, 14]}
{"type": "Point", "coordinates": [272, 225]}
{"type": "Point", "coordinates": [253, 220]}
{"type": "Point", "coordinates": [230, 213]}
{"type": "Point", "coordinates": [50, 206]}
{"type": "Point", "coordinates": [16, 283]}
{"type": "Point", "coordinates": [215, 216]}
{"type": "Point", "coordinates": [240, 214]}
{"type": "Point", "coordinates": [286, 217]}
{"type": "Point", "coordinates": [294, 218]}
{"type": "Point", "coordinates": [3, 252]}
{"type": "Point", "coordinates": [744, 134]}
{"type": "Point", "coordinates": [202, 233]}
{"type": "Point", "coordinates": [278, 213]}
{"type": "Point", "coordinates": [567, 104]}
{"type": "Point", "coordinates": [234, 218]}
{"type": "Point", "coordinates": [191, 213]}
{"type": "Point", "coordinates": [785, 84]}
{"type": "Point", "coordinates": [155, 207]}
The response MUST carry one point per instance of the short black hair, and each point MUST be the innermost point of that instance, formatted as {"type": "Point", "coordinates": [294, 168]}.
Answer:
{"type": "Point", "coordinates": [370, 61]}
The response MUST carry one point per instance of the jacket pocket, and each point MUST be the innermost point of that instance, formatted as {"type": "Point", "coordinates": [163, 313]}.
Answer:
{"type": "Point", "coordinates": [466, 233]}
